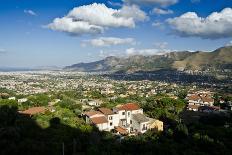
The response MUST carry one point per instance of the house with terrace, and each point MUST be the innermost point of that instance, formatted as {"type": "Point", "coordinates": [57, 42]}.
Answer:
{"type": "Point", "coordinates": [197, 100]}
{"type": "Point", "coordinates": [123, 119]}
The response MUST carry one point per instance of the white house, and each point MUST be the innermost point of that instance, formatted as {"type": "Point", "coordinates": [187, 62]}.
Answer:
{"type": "Point", "coordinates": [125, 113]}
{"type": "Point", "coordinates": [22, 100]}
{"type": "Point", "coordinates": [11, 98]}
{"type": "Point", "coordinates": [97, 118]}
{"type": "Point", "coordinates": [95, 103]}
{"type": "Point", "coordinates": [139, 123]}
{"type": "Point", "coordinates": [197, 100]}
{"type": "Point", "coordinates": [127, 118]}
{"type": "Point", "coordinates": [113, 118]}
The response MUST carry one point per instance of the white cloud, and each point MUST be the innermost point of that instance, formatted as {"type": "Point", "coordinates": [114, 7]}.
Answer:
{"type": "Point", "coordinates": [229, 43]}
{"type": "Point", "coordinates": [161, 45]}
{"type": "Point", "coordinates": [71, 26]}
{"type": "Point", "coordinates": [152, 2]}
{"type": "Point", "coordinates": [159, 11]}
{"type": "Point", "coordinates": [132, 11]}
{"type": "Point", "coordinates": [216, 25]}
{"type": "Point", "coordinates": [109, 41]}
{"type": "Point", "coordinates": [30, 12]}
{"type": "Point", "coordinates": [95, 18]}
{"type": "Point", "coordinates": [151, 51]}
{"type": "Point", "coordinates": [158, 24]}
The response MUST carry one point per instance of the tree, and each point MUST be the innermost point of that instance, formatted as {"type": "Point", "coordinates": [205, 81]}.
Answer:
{"type": "Point", "coordinates": [181, 131]}
{"type": "Point", "coordinates": [182, 94]}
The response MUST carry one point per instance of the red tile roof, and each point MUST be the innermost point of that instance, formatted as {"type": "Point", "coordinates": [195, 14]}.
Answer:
{"type": "Point", "coordinates": [106, 111]}
{"type": "Point", "coordinates": [207, 99]}
{"type": "Point", "coordinates": [129, 107]}
{"type": "Point", "coordinates": [194, 97]}
{"type": "Point", "coordinates": [34, 110]}
{"type": "Point", "coordinates": [121, 130]}
{"type": "Point", "coordinates": [99, 120]}
{"type": "Point", "coordinates": [91, 113]}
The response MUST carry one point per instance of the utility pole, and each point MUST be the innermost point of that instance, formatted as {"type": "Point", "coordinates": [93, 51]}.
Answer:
{"type": "Point", "coordinates": [63, 148]}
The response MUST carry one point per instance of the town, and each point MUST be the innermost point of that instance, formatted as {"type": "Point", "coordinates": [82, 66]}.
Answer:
{"type": "Point", "coordinates": [124, 109]}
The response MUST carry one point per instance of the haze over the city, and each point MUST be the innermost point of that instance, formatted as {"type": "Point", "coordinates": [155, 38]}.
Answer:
{"type": "Point", "coordinates": [60, 33]}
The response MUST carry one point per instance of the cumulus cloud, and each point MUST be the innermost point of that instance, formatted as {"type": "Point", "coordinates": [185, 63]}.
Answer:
{"type": "Point", "coordinates": [152, 2]}
{"type": "Point", "coordinates": [30, 12]}
{"type": "Point", "coordinates": [216, 25]}
{"type": "Point", "coordinates": [159, 11]}
{"type": "Point", "coordinates": [109, 41]}
{"type": "Point", "coordinates": [151, 51]}
{"type": "Point", "coordinates": [132, 11]}
{"type": "Point", "coordinates": [95, 18]}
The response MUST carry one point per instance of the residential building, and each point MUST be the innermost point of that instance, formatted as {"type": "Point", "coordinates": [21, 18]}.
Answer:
{"type": "Point", "coordinates": [11, 98]}
{"type": "Point", "coordinates": [155, 124]}
{"type": "Point", "coordinates": [22, 100]}
{"type": "Point", "coordinates": [97, 118]}
{"type": "Point", "coordinates": [33, 111]}
{"type": "Point", "coordinates": [95, 103]}
{"type": "Point", "coordinates": [197, 100]}
{"type": "Point", "coordinates": [123, 119]}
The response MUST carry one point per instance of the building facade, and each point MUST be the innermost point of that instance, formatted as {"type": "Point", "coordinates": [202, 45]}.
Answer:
{"type": "Point", "coordinates": [127, 118]}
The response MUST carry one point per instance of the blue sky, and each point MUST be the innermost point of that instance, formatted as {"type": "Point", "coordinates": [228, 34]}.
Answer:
{"type": "Point", "coordinates": [30, 36]}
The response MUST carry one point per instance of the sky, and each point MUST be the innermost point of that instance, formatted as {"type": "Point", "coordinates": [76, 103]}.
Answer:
{"type": "Point", "coordinates": [64, 32]}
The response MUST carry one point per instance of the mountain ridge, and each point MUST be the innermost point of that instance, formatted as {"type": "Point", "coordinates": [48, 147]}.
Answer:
{"type": "Point", "coordinates": [220, 58]}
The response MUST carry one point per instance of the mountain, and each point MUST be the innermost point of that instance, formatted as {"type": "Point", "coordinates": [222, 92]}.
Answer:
{"type": "Point", "coordinates": [183, 60]}
{"type": "Point", "coordinates": [218, 59]}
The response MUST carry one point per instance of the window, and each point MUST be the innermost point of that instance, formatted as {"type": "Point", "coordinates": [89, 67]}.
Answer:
{"type": "Point", "coordinates": [130, 121]}
{"type": "Point", "coordinates": [123, 113]}
{"type": "Point", "coordinates": [111, 123]}
{"type": "Point", "coordinates": [111, 117]}
{"type": "Point", "coordinates": [144, 127]}
{"type": "Point", "coordinates": [128, 113]}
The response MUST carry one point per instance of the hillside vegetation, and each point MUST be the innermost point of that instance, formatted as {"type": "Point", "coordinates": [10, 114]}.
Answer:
{"type": "Point", "coordinates": [217, 60]}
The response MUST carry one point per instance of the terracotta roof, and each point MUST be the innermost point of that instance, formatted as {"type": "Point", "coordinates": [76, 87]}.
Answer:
{"type": "Point", "coordinates": [4, 94]}
{"type": "Point", "coordinates": [194, 97]}
{"type": "Point", "coordinates": [129, 106]}
{"type": "Point", "coordinates": [106, 111]}
{"type": "Point", "coordinates": [121, 130]}
{"type": "Point", "coordinates": [34, 110]}
{"type": "Point", "coordinates": [207, 99]}
{"type": "Point", "coordinates": [99, 120]}
{"type": "Point", "coordinates": [91, 113]}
